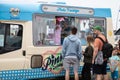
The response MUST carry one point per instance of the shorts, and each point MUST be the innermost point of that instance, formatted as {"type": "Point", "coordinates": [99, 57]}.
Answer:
{"type": "Point", "coordinates": [67, 62]}
{"type": "Point", "coordinates": [115, 75]}
{"type": "Point", "coordinates": [100, 69]}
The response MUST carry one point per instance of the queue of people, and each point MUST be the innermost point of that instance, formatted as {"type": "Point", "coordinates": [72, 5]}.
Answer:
{"type": "Point", "coordinates": [72, 53]}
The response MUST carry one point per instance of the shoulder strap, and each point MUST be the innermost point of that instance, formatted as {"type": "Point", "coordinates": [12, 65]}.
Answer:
{"type": "Point", "coordinates": [101, 39]}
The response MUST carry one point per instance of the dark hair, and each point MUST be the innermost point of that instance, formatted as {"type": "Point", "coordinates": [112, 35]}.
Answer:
{"type": "Point", "coordinates": [74, 30]}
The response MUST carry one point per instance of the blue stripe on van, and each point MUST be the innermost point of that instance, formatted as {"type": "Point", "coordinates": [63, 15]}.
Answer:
{"type": "Point", "coordinates": [102, 12]}
{"type": "Point", "coordinates": [33, 74]}
{"type": "Point", "coordinates": [27, 10]}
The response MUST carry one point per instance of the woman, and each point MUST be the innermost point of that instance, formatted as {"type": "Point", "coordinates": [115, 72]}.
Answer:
{"type": "Point", "coordinates": [86, 71]}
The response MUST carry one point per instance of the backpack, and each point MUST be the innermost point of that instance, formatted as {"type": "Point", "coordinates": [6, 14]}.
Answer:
{"type": "Point", "coordinates": [106, 49]}
{"type": "Point", "coordinates": [99, 58]}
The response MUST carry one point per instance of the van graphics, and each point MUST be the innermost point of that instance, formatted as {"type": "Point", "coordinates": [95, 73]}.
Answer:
{"type": "Point", "coordinates": [14, 13]}
{"type": "Point", "coordinates": [53, 62]}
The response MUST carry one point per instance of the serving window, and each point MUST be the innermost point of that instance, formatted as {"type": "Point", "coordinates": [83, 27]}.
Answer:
{"type": "Point", "coordinates": [50, 30]}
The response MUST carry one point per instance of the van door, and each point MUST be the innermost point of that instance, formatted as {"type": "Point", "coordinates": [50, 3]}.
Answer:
{"type": "Point", "coordinates": [11, 48]}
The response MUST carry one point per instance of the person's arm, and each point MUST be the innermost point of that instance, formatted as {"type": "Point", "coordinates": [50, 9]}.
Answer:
{"type": "Point", "coordinates": [96, 47]}
{"type": "Point", "coordinates": [110, 67]}
{"type": "Point", "coordinates": [117, 63]}
{"type": "Point", "coordinates": [64, 48]}
{"type": "Point", "coordinates": [113, 67]}
{"type": "Point", "coordinates": [79, 50]}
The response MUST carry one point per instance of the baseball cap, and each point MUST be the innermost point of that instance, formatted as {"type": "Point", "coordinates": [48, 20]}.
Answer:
{"type": "Point", "coordinates": [97, 28]}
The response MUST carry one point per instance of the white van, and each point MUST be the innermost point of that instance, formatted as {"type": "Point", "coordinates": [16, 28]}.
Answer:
{"type": "Point", "coordinates": [30, 46]}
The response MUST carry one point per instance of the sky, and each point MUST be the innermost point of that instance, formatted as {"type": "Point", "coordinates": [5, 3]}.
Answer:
{"type": "Point", "coordinates": [113, 4]}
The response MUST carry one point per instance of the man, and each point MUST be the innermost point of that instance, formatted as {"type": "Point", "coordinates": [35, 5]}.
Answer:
{"type": "Point", "coordinates": [99, 70]}
{"type": "Point", "coordinates": [71, 52]}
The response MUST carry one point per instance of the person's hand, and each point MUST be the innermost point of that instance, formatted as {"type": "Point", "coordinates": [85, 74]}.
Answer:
{"type": "Point", "coordinates": [110, 67]}
{"type": "Point", "coordinates": [92, 61]}
{"type": "Point", "coordinates": [83, 52]}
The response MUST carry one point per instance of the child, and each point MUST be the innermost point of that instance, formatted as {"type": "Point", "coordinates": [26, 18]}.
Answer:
{"type": "Point", "coordinates": [114, 61]}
